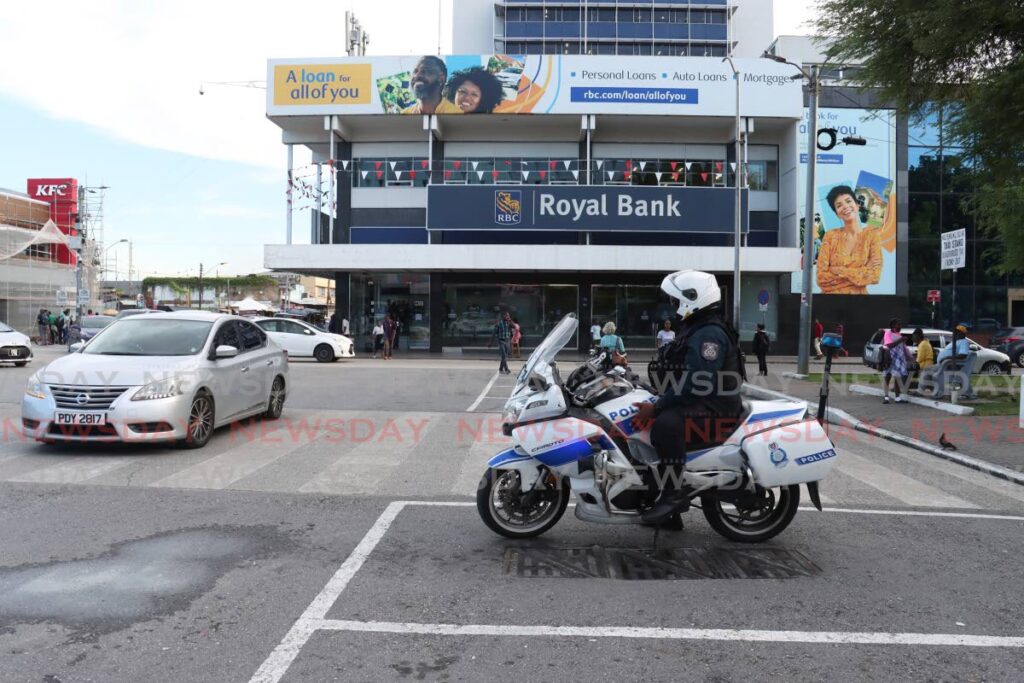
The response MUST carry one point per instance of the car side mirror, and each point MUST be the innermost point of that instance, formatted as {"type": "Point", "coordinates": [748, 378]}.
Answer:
{"type": "Point", "coordinates": [225, 351]}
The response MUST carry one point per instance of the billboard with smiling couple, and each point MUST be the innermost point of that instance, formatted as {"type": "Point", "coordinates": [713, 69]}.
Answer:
{"type": "Point", "coordinates": [530, 84]}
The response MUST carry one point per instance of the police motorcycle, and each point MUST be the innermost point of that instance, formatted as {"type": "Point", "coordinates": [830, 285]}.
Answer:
{"type": "Point", "coordinates": [575, 437]}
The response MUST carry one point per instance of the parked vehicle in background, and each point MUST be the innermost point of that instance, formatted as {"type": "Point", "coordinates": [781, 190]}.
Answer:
{"type": "Point", "coordinates": [15, 347]}
{"type": "Point", "coordinates": [89, 326]}
{"type": "Point", "coordinates": [128, 312]}
{"type": "Point", "coordinates": [302, 340]}
{"type": "Point", "coordinates": [990, 361]}
{"type": "Point", "coordinates": [1010, 340]}
{"type": "Point", "coordinates": [173, 376]}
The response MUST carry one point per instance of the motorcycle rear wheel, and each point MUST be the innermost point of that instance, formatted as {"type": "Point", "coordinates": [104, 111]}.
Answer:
{"type": "Point", "coordinates": [754, 524]}
{"type": "Point", "coordinates": [498, 500]}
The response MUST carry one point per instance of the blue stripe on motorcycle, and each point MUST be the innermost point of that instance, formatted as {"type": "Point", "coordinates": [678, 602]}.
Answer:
{"type": "Point", "coordinates": [761, 417]}
{"type": "Point", "coordinates": [506, 457]}
{"type": "Point", "coordinates": [565, 454]}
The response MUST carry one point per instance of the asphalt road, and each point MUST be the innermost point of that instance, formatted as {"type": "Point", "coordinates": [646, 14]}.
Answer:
{"type": "Point", "coordinates": [280, 549]}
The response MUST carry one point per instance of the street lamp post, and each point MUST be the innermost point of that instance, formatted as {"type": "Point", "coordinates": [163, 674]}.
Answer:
{"type": "Point", "coordinates": [201, 281]}
{"type": "Point", "coordinates": [806, 292]}
{"type": "Point", "coordinates": [739, 205]}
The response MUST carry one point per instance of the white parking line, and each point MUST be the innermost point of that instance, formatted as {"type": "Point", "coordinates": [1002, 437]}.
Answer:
{"type": "Point", "coordinates": [483, 393]}
{"type": "Point", "coordinates": [314, 619]}
{"type": "Point", "coordinates": [829, 637]}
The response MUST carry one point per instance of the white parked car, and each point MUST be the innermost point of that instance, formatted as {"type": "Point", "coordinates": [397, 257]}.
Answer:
{"type": "Point", "coordinates": [169, 376]}
{"type": "Point", "coordinates": [302, 340]}
{"type": "Point", "coordinates": [990, 361]}
{"type": "Point", "coordinates": [15, 347]}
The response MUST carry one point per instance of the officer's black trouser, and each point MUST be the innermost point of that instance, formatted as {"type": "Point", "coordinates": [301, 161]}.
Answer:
{"type": "Point", "coordinates": [674, 429]}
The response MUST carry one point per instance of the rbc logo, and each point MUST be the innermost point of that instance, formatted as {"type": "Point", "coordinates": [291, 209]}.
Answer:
{"type": "Point", "coordinates": [508, 207]}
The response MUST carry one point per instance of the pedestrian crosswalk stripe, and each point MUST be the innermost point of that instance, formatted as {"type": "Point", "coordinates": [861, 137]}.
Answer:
{"type": "Point", "coordinates": [899, 486]}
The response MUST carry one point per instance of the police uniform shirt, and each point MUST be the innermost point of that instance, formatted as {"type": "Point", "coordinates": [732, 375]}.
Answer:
{"type": "Point", "coordinates": [705, 356]}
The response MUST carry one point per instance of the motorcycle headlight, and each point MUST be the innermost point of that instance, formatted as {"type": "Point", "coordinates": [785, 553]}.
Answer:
{"type": "Point", "coordinates": [165, 388]}
{"type": "Point", "coordinates": [35, 388]}
{"type": "Point", "coordinates": [512, 410]}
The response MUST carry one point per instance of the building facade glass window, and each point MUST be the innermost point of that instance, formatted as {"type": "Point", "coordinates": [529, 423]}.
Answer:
{"type": "Point", "coordinates": [471, 311]}
{"type": "Point", "coordinates": [405, 295]}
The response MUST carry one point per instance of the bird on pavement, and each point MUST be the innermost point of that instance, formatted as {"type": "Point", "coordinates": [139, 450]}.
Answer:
{"type": "Point", "coordinates": [945, 443]}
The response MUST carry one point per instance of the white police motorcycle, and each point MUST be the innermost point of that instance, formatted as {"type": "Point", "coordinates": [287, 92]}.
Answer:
{"type": "Point", "coordinates": [576, 437]}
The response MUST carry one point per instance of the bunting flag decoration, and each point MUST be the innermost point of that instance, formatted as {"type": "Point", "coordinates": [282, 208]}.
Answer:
{"type": "Point", "coordinates": [732, 165]}
{"type": "Point", "coordinates": [344, 164]}
{"type": "Point", "coordinates": [393, 163]}
{"type": "Point", "coordinates": [364, 174]}
{"type": "Point", "coordinates": [576, 175]}
{"type": "Point", "coordinates": [688, 165]}
{"type": "Point", "coordinates": [475, 164]}
{"type": "Point", "coordinates": [675, 177]}
{"type": "Point", "coordinates": [551, 164]}
{"type": "Point", "coordinates": [412, 174]}
{"type": "Point", "coordinates": [377, 165]}
{"type": "Point", "coordinates": [626, 176]}
{"type": "Point", "coordinates": [674, 164]}
{"type": "Point", "coordinates": [543, 174]}
{"type": "Point", "coordinates": [457, 164]}
{"type": "Point", "coordinates": [718, 166]}
{"type": "Point", "coordinates": [600, 163]}
{"type": "Point", "coordinates": [643, 165]}
{"type": "Point", "coordinates": [494, 175]}
{"type": "Point", "coordinates": [480, 175]}
{"type": "Point", "coordinates": [398, 174]}
{"type": "Point", "coordinates": [718, 176]}
{"type": "Point", "coordinates": [566, 163]}
{"type": "Point", "coordinates": [659, 174]}
{"type": "Point", "coordinates": [508, 162]}
{"type": "Point", "coordinates": [447, 174]}
{"type": "Point", "coordinates": [380, 174]}
{"type": "Point", "coordinates": [526, 174]}
{"type": "Point", "coordinates": [423, 163]}
{"type": "Point", "coordinates": [610, 174]}
{"type": "Point", "coordinates": [704, 177]}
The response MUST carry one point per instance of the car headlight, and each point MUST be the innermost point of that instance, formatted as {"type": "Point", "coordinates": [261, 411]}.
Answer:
{"type": "Point", "coordinates": [35, 388]}
{"type": "Point", "coordinates": [512, 410]}
{"type": "Point", "coordinates": [165, 388]}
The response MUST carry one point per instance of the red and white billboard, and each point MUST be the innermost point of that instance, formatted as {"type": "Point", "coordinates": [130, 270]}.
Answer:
{"type": "Point", "coordinates": [62, 196]}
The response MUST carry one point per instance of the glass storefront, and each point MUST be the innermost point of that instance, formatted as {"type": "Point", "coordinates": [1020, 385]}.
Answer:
{"type": "Point", "coordinates": [471, 311]}
{"type": "Point", "coordinates": [405, 295]}
{"type": "Point", "coordinates": [638, 312]}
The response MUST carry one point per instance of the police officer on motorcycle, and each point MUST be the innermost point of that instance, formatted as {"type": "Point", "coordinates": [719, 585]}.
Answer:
{"type": "Point", "coordinates": [698, 376]}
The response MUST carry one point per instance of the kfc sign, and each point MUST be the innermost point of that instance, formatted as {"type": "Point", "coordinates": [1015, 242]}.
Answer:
{"type": "Point", "coordinates": [52, 190]}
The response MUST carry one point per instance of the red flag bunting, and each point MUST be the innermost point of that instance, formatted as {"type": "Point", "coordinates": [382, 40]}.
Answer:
{"type": "Point", "coordinates": [423, 163]}
{"type": "Point", "coordinates": [457, 164]}
{"type": "Point", "coordinates": [377, 164]}
{"type": "Point", "coordinates": [543, 174]}
{"type": "Point", "coordinates": [674, 164]}
{"type": "Point", "coordinates": [551, 164]}
{"type": "Point", "coordinates": [380, 174]}
{"type": "Point", "coordinates": [494, 175]}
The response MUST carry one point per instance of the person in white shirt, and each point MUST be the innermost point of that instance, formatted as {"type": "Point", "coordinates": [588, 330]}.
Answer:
{"type": "Point", "coordinates": [665, 334]}
{"type": "Point", "coordinates": [378, 338]}
{"type": "Point", "coordinates": [344, 326]}
{"type": "Point", "coordinates": [595, 334]}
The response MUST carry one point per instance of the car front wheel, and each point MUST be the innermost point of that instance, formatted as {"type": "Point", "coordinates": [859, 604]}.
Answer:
{"type": "Point", "coordinates": [323, 353]}
{"type": "Point", "coordinates": [200, 422]}
{"type": "Point", "coordinates": [991, 368]}
{"type": "Point", "coordinates": [275, 405]}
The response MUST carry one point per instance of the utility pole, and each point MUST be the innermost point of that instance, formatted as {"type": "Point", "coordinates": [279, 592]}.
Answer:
{"type": "Point", "coordinates": [200, 286]}
{"type": "Point", "coordinates": [739, 205]}
{"type": "Point", "coordinates": [804, 351]}
{"type": "Point", "coordinates": [78, 261]}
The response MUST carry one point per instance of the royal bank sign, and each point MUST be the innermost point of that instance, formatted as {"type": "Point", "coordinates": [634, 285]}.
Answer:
{"type": "Point", "coordinates": [591, 208]}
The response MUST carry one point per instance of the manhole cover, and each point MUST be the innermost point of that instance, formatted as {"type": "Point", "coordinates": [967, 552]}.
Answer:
{"type": "Point", "coordinates": [662, 564]}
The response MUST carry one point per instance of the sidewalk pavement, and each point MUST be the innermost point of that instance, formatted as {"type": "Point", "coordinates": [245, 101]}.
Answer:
{"type": "Point", "coordinates": [997, 440]}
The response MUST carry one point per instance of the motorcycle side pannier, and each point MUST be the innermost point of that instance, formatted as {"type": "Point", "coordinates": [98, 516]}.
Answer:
{"type": "Point", "coordinates": [793, 453]}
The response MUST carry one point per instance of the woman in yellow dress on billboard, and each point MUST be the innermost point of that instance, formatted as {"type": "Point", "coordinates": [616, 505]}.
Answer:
{"type": "Point", "coordinates": [850, 257]}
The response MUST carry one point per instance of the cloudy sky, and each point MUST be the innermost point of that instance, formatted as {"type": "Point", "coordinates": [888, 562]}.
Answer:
{"type": "Point", "coordinates": [108, 91]}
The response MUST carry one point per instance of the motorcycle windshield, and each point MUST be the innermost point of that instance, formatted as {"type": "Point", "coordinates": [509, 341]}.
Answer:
{"type": "Point", "coordinates": [542, 356]}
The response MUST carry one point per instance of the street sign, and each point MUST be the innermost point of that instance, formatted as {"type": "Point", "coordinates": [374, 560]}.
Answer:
{"type": "Point", "coordinates": [763, 297]}
{"type": "Point", "coordinates": [62, 298]}
{"type": "Point", "coordinates": [83, 297]}
{"type": "Point", "coordinates": [954, 249]}
{"type": "Point", "coordinates": [934, 296]}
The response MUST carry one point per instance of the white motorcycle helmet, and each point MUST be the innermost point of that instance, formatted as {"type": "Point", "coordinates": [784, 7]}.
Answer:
{"type": "Point", "coordinates": [695, 289]}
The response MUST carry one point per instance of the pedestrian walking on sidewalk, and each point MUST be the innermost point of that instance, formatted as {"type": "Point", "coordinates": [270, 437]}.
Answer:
{"type": "Point", "coordinates": [390, 332]}
{"type": "Point", "coordinates": [503, 335]}
{"type": "Point", "coordinates": [611, 342]}
{"type": "Point", "coordinates": [819, 332]}
{"type": "Point", "coordinates": [897, 365]}
{"type": "Point", "coordinates": [595, 335]}
{"type": "Point", "coordinates": [517, 338]}
{"type": "Point", "coordinates": [43, 322]}
{"type": "Point", "coordinates": [665, 335]}
{"type": "Point", "coordinates": [378, 339]}
{"type": "Point", "coordinates": [761, 346]}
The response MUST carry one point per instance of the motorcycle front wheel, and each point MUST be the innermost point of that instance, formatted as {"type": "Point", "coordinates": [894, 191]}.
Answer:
{"type": "Point", "coordinates": [506, 510]}
{"type": "Point", "coordinates": [753, 521]}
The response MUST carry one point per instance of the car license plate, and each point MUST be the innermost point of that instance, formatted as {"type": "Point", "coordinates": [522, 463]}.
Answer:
{"type": "Point", "coordinates": [13, 352]}
{"type": "Point", "coordinates": [80, 418]}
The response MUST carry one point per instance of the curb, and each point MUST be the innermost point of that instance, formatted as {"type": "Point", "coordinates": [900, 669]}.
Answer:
{"type": "Point", "coordinates": [916, 400]}
{"type": "Point", "coordinates": [843, 418]}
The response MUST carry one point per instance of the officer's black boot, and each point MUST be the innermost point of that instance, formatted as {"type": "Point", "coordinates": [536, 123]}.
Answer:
{"type": "Point", "coordinates": [674, 498]}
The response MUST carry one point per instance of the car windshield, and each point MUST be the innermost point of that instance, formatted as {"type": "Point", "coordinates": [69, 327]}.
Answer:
{"type": "Point", "coordinates": [547, 350]}
{"type": "Point", "coordinates": [5, 328]}
{"type": "Point", "coordinates": [96, 322]}
{"type": "Point", "coordinates": [151, 338]}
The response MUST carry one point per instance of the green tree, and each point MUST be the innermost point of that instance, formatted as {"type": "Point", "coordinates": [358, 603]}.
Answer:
{"type": "Point", "coordinates": [964, 58]}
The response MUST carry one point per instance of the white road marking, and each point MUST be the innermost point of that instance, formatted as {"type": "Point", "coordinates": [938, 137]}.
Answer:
{"type": "Point", "coordinates": [75, 471]}
{"type": "Point", "coordinates": [924, 513]}
{"type": "Point", "coordinates": [899, 486]}
{"type": "Point", "coordinates": [744, 635]}
{"type": "Point", "coordinates": [483, 393]}
{"type": "Point", "coordinates": [473, 467]}
{"type": "Point", "coordinates": [275, 666]}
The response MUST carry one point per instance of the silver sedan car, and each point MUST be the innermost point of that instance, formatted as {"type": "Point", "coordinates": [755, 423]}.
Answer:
{"type": "Point", "coordinates": [168, 376]}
